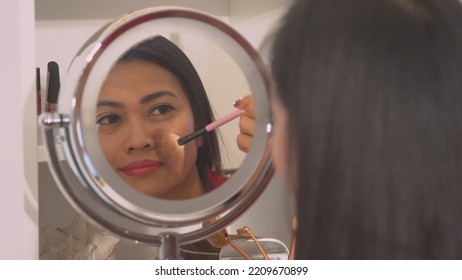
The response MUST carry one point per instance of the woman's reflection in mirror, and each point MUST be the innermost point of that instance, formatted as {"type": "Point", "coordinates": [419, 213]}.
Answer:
{"type": "Point", "coordinates": [152, 96]}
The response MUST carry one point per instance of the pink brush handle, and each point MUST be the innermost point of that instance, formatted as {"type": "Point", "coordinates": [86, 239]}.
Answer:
{"type": "Point", "coordinates": [221, 121]}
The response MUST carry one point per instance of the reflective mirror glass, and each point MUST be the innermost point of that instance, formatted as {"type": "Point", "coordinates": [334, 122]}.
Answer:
{"type": "Point", "coordinates": [163, 88]}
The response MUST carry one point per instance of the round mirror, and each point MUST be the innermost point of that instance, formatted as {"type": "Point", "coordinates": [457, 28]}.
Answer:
{"type": "Point", "coordinates": [153, 96]}
{"type": "Point", "coordinates": [104, 94]}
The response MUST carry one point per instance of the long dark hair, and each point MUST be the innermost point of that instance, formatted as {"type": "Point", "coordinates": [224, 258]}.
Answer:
{"type": "Point", "coordinates": [373, 90]}
{"type": "Point", "coordinates": [163, 52]}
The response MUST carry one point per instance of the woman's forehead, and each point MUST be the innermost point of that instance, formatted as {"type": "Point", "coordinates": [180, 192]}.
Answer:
{"type": "Point", "coordinates": [140, 79]}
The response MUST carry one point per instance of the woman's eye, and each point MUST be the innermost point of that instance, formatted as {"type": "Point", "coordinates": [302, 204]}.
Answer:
{"type": "Point", "coordinates": [162, 109]}
{"type": "Point", "coordinates": [107, 119]}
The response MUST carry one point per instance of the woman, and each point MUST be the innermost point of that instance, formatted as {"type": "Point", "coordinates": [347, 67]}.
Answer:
{"type": "Point", "coordinates": [368, 127]}
{"type": "Point", "coordinates": [152, 96]}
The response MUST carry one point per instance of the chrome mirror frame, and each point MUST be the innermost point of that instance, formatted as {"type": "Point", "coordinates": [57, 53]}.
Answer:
{"type": "Point", "coordinates": [86, 179]}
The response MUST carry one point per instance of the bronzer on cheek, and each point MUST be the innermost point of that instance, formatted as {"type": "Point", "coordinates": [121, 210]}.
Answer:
{"type": "Point", "coordinates": [168, 150]}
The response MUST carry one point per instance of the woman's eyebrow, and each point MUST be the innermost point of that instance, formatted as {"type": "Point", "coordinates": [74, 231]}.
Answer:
{"type": "Point", "coordinates": [155, 95]}
{"type": "Point", "coordinates": [108, 103]}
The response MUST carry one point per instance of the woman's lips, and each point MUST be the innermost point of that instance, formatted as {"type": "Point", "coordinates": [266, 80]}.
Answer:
{"type": "Point", "coordinates": [141, 168]}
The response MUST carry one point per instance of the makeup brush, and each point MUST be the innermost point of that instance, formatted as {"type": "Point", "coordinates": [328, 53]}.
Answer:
{"type": "Point", "coordinates": [166, 147]}
{"type": "Point", "coordinates": [219, 122]}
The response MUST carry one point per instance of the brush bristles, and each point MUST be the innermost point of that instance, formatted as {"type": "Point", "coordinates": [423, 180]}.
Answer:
{"type": "Point", "coordinates": [169, 152]}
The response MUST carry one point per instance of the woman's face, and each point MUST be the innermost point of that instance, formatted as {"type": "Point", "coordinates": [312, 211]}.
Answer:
{"type": "Point", "coordinates": [280, 142]}
{"type": "Point", "coordinates": [142, 110]}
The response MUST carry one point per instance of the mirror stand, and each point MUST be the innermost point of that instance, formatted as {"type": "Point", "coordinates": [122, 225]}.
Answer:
{"type": "Point", "coordinates": [169, 247]}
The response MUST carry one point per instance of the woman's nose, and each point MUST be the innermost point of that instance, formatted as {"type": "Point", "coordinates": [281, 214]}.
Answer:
{"type": "Point", "coordinates": [139, 137]}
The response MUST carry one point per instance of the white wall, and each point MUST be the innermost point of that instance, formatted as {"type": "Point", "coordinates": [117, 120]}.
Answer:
{"type": "Point", "coordinates": [256, 19]}
{"type": "Point", "coordinates": [18, 190]}
{"type": "Point", "coordinates": [109, 9]}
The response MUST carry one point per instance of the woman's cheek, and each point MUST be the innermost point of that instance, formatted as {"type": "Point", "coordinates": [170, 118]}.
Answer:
{"type": "Point", "coordinates": [182, 129]}
{"type": "Point", "coordinates": [280, 146]}
{"type": "Point", "coordinates": [110, 148]}
{"type": "Point", "coordinates": [178, 126]}
{"type": "Point", "coordinates": [190, 152]}
{"type": "Point", "coordinates": [279, 157]}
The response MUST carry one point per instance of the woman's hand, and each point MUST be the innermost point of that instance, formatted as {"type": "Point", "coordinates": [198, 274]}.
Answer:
{"type": "Point", "coordinates": [246, 122]}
